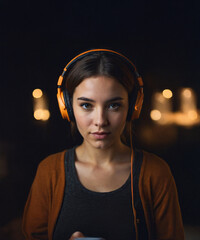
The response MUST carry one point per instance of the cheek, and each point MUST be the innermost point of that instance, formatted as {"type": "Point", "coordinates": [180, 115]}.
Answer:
{"type": "Point", "coordinates": [81, 121]}
{"type": "Point", "coordinates": [119, 121]}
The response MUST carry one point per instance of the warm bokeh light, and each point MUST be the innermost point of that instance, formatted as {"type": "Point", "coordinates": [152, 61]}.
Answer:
{"type": "Point", "coordinates": [40, 105]}
{"type": "Point", "coordinates": [161, 104]}
{"type": "Point", "coordinates": [187, 92]}
{"type": "Point", "coordinates": [38, 114]}
{"type": "Point", "coordinates": [42, 114]}
{"type": "Point", "coordinates": [37, 93]}
{"type": "Point", "coordinates": [159, 97]}
{"type": "Point", "coordinates": [46, 115]}
{"type": "Point", "coordinates": [167, 93]}
{"type": "Point", "coordinates": [188, 115]}
{"type": "Point", "coordinates": [192, 115]}
{"type": "Point", "coordinates": [155, 115]}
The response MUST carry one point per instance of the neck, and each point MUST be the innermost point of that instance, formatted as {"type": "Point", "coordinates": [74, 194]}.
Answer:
{"type": "Point", "coordinates": [98, 156]}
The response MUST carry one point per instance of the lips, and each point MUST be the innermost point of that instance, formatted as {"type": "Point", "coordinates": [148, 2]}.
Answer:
{"type": "Point", "coordinates": [100, 135]}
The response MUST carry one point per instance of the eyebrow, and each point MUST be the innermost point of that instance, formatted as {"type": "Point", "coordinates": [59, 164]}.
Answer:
{"type": "Point", "coordinates": [109, 100]}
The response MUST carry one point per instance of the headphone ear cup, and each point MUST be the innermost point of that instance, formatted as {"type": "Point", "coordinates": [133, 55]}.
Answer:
{"type": "Point", "coordinates": [138, 104]}
{"type": "Point", "coordinates": [62, 105]}
{"type": "Point", "coordinates": [68, 105]}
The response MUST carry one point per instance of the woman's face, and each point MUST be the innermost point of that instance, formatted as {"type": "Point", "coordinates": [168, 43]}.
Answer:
{"type": "Point", "coordinates": [100, 107]}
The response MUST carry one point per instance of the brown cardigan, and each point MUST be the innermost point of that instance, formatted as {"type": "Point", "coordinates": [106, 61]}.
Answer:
{"type": "Point", "coordinates": [157, 191]}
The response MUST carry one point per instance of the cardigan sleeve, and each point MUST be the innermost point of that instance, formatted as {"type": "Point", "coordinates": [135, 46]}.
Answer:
{"type": "Point", "coordinates": [45, 198]}
{"type": "Point", "coordinates": [167, 217]}
{"type": "Point", "coordinates": [35, 217]}
{"type": "Point", "coordinates": [167, 213]}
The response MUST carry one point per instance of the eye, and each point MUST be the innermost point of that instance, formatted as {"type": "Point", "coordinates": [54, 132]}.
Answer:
{"type": "Point", "coordinates": [114, 106]}
{"type": "Point", "coordinates": [86, 106]}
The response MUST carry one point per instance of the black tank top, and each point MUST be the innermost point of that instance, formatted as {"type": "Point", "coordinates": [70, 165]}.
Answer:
{"type": "Point", "coordinates": [108, 215]}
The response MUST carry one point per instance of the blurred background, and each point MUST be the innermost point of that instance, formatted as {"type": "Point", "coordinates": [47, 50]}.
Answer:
{"type": "Point", "coordinates": [38, 38]}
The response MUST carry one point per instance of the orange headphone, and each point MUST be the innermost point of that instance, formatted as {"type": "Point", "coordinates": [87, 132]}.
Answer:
{"type": "Point", "coordinates": [63, 97]}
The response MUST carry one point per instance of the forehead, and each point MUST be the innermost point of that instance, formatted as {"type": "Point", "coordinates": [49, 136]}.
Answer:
{"type": "Point", "coordinates": [100, 86]}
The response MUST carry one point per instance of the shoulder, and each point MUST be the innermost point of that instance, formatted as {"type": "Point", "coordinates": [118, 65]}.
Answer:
{"type": "Point", "coordinates": [50, 169]}
{"type": "Point", "coordinates": [51, 165]}
{"type": "Point", "coordinates": [52, 161]}
{"type": "Point", "coordinates": [156, 178]}
{"type": "Point", "coordinates": [155, 167]}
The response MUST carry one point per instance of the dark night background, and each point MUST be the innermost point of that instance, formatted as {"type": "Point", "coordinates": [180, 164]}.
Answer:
{"type": "Point", "coordinates": [38, 38]}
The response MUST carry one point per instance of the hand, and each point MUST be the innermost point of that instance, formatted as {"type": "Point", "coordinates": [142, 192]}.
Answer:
{"type": "Point", "coordinates": [76, 235]}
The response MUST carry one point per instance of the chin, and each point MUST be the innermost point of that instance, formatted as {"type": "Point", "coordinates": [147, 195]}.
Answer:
{"type": "Point", "coordinates": [102, 144]}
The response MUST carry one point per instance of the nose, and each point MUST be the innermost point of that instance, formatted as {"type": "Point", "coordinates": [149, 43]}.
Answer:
{"type": "Point", "coordinates": [101, 118]}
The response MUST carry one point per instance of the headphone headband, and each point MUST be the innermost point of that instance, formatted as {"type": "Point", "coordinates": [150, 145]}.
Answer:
{"type": "Point", "coordinates": [89, 52]}
{"type": "Point", "coordinates": [64, 99]}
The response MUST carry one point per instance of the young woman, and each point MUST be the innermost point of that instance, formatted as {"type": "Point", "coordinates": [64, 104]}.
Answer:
{"type": "Point", "coordinates": [102, 187]}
